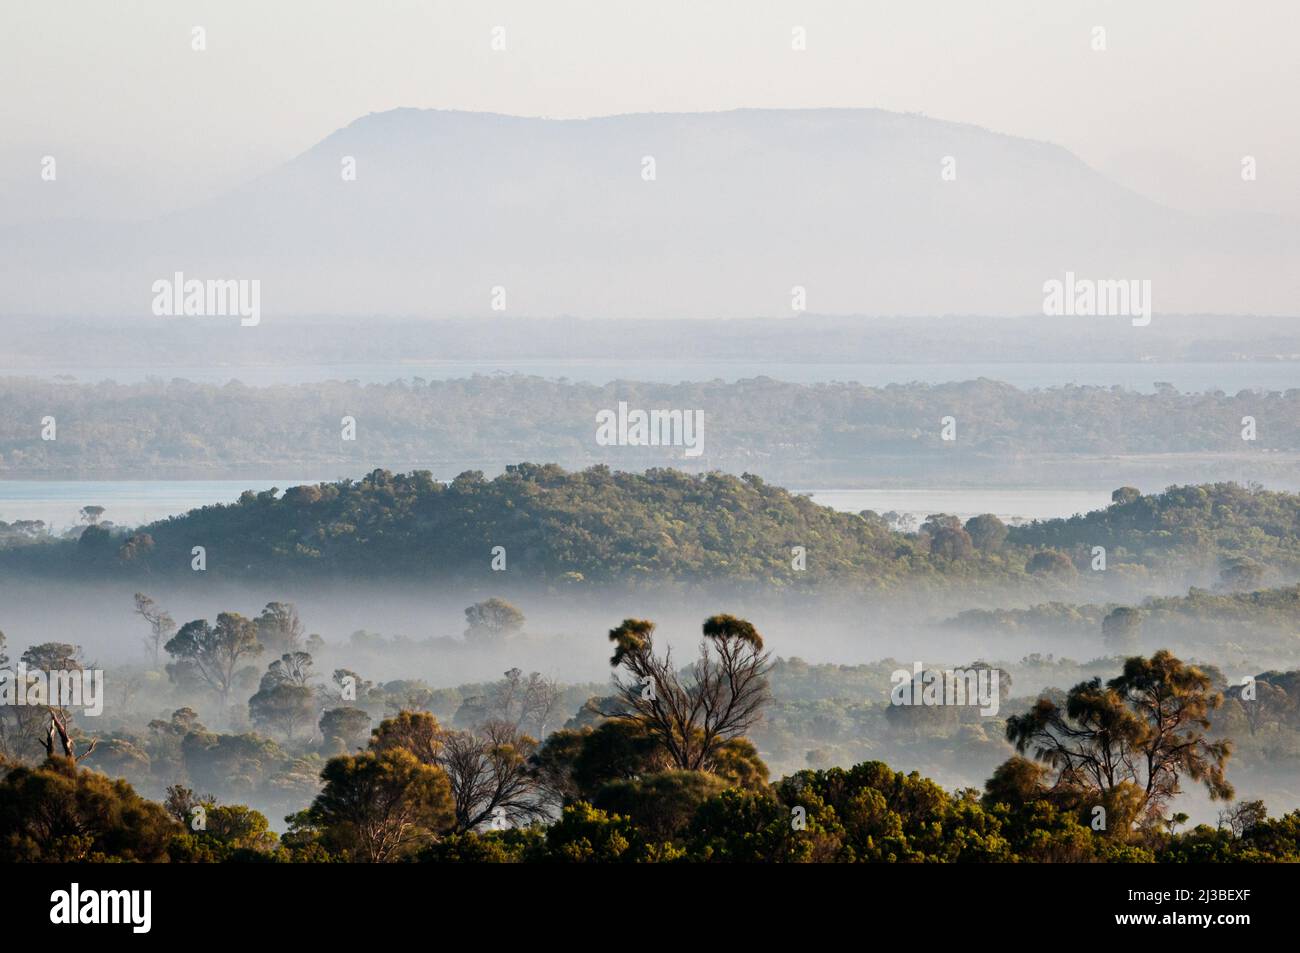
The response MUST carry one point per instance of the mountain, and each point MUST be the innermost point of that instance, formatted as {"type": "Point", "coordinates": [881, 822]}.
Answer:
{"type": "Point", "coordinates": [849, 204]}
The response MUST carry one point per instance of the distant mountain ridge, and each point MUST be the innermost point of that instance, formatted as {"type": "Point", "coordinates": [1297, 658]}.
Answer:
{"type": "Point", "coordinates": [744, 206]}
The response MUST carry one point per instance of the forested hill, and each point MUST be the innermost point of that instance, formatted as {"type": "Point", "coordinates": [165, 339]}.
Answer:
{"type": "Point", "coordinates": [598, 525]}
{"type": "Point", "coordinates": [553, 525]}
{"type": "Point", "coordinates": [1240, 522]}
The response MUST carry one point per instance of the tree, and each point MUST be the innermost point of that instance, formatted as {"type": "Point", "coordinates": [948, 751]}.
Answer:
{"type": "Point", "coordinates": [349, 687]}
{"type": "Point", "coordinates": [541, 697]}
{"type": "Point", "coordinates": [235, 764]}
{"type": "Point", "coordinates": [947, 537]}
{"type": "Point", "coordinates": [1049, 562]}
{"type": "Point", "coordinates": [551, 766]}
{"type": "Point", "coordinates": [488, 770]}
{"type": "Point", "coordinates": [661, 805]}
{"type": "Point", "coordinates": [987, 532]}
{"type": "Point", "coordinates": [345, 728]}
{"type": "Point", "coordinates": [619, 748]}
{"type": "Point", "coordinates": [1125, 495]}
{"type": "Point", "coordinates": [95, 541]}
{"type": "Point", "coordinates": [1242, 817]}
{"type": "Point", "coordinates": [181, 723]}
{"type": "Point", "coordinates": [1134, 737]}
{"type": "Point", "coordinates": [279, 628]}
{"type": "Point", "coordinates": [213, 653]}
{"type": "Point", "coordinates": [379, 806]}
{"type": "Point", "coordinates": [285, 701]}
{"type": "Point", "coordinates": [722, 699]}
{"type": "Point", "coordinates": [587, 835]}
{"type": "Point", "coordinates": [29, 730]}
{"type": "Point", "coordinates": [282, 704]}
{"type": "Point", "coordinates": [291, 668]}
{"type": "Point", "coordinates": [492, 621]}
{"type": "Point", "coordinates": [1015, 783]}
{"type": "Point", "coordinates": [415, 731]}
{"type": "Point", "coordinates": [490, 778]}
{"type": "Point", "coordinates": [91, 515]}
{"type": "Point", "coordinates": [136, 546]}
{"type": "Point", "coordinates": [737, 763]}
{"type": "Point", "coordinates": [67, 744]}
{"type": "Point", "coordinates": [59, 813]}
{"type": "Point", "coordinates": [528, 704]}
{"type": "Point", "coordinates": [1241, 575]}
{"type": "Point", "coordinates": [1270, 704]}
{"type": "Point", "coordinates": [878, 814]}
{"type": "Point", "coordinates": [304, 495]}
{"type": "Point", "coordinates": [161, 626]}
{"type": "Point", "coordinates": [755, 827]}
{"type": "Point", "coordinates": [237, 827]}
{"type": "Point", "coordinates": [182, 802]}
{"type": "Point", "coordinates": [898, 522]}
{"type": "Point", "coordinates": [1120, 629]}
{"type": "Point", "coordinates": [52, 657]}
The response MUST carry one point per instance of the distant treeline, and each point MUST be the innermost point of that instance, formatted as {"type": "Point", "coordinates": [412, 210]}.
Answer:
{"type": "Point", "coordinates": [1255, 622]}
{"type": "Point", "coordinates": [789, 431]}
{"type": "Point", "coordinates": [134, 341]}
{"type": "Point", "coordinates": [540, 523]}
{"type": "Point", "coordinates": [1274, 610]}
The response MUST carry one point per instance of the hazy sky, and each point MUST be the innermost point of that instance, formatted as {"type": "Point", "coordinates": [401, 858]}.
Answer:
{"type": "Point", "coordinates": [140, 122]}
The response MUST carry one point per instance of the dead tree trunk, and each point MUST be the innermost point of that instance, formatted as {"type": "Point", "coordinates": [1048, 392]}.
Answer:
{"type": "Point", "coordinates": [60, 725]}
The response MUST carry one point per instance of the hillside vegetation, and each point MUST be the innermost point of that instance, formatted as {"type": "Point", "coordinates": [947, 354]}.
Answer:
{"type": "Point", "coordinates": [544, 524]}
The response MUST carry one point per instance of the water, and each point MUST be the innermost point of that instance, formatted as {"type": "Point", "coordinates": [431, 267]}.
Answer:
{"type": "Point", "coordinates": [1230, 377]}
{"type": "Point", "coordinates": [126, 502]}
{"type": "Point", "coordinates": [133, 502]}
{"type": "Point", "coordinates": [1030, 504]}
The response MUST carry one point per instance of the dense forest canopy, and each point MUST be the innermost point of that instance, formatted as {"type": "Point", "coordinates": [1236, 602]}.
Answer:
{"type": "Point", "coordinates": [545, 524]}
